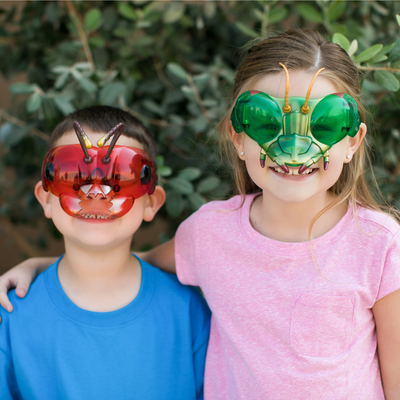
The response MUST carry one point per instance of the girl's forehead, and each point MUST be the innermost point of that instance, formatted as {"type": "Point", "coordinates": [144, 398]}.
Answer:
{"type": "Point", "coordinates": [299, 81]}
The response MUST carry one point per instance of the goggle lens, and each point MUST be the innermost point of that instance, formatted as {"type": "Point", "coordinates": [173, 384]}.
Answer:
{"type": "Point", "coordinates": [333, 118]}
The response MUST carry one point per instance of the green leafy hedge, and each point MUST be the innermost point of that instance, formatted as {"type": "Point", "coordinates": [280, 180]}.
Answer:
{"type": "Point", "coordinates": [172, 65]}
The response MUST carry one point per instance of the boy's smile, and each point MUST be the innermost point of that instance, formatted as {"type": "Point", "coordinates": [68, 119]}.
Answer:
{"type": "Point", "coordinates": [93, 229]}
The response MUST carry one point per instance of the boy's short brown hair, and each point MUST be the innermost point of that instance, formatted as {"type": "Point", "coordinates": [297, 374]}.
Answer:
{"type": "Point", "coordinates": [103, 119]}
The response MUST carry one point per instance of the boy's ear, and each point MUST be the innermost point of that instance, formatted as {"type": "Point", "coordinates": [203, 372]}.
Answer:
{"type": "Point", "coordinates": [155, 201]}
{"type": "Point", "coordinates": [237, 140]}
{"type": "Point", "coordinates": [43, 198]}
{"type": "Point", "coordinates": [354, 142]}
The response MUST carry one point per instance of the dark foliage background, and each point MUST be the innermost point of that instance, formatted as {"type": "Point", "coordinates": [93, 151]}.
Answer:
{"type": "Point", "coordinates": [170, 64]}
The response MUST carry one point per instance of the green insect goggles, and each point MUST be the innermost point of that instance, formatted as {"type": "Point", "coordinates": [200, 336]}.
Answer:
{"type": "Point", "coordinates": [295, 131]}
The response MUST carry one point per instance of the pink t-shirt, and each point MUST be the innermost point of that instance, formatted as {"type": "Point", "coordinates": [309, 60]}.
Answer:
{"type": "Point", "coordinates": [279, 329]}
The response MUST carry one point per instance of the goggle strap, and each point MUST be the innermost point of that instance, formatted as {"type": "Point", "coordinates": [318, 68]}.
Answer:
{"type": "Point", "coordinates": [83, 141]}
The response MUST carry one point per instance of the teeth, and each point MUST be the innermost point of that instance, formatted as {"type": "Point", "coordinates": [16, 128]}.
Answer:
{"type": "Point", "coordinates": [293, 171]}
{"type": "Point", "coordinates": [94, 216]}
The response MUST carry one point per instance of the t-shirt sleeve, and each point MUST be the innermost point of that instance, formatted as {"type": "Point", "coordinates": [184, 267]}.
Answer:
{"type": "Point", "coordinates": [185, 251]}
{"type": "Point", "coordinates": [390, 279]}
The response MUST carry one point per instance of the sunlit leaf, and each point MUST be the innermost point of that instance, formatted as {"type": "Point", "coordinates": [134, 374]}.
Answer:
{"type": "Point", "coordinates": [387, 80]}
{"type": "Point", "coordinates": [246, 29]}
{"type": "Point", "coordinates": [21, 88]}
{"type": "Point", "coordinates": [174, 12]}
{"type": "Point", "coordinates": [341, 40]}
{"type": "Point", "coordinates": [368, 53]}
{"type": "Point", "coordinates": [127, 11]}
{"type": "Point", "coordinates": [34, 102]}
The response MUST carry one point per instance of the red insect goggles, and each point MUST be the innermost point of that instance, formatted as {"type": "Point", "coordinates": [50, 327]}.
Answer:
{"type": "Point", "coordinates": [98, 182]}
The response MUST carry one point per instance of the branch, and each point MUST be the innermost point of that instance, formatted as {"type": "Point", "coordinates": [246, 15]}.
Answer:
{"type": "Point", "coordinates": [380, 68]}
{"type": "Point", "coordinates": [198, 98]}
{"type": "Point", "coordinates": [81, 32]}
{"type": "Point", "coordinates": [161, 75]}
{"type": "Point", "coordinates": [19, 240]}
{"type": "Point", "coordinates": [18, 122]}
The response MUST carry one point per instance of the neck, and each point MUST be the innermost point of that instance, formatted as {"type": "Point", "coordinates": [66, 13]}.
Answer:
{"type": "Point", "coordinates": [99, 279]}
{"type": "Point", "coordinates": [290, 222]}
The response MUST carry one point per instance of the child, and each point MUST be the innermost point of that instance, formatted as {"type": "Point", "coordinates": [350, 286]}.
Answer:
{"type": "Point", "coordinates": [100, 323]}
{"type": "Point", "coordinates": [301, 271]}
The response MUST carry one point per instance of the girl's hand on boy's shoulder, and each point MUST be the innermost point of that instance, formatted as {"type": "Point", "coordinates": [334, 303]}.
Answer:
{"type": "Point", "coordinates": [20, 277]}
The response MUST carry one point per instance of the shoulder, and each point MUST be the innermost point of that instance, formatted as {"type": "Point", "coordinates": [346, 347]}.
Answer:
{"type": "Point", "coordinates": [372, 221]}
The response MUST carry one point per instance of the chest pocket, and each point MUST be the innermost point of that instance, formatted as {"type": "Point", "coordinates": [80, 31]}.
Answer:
{"type": "Point", "coordinates": [322, 325]}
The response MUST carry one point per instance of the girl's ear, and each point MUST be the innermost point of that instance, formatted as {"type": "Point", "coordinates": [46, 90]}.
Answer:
{"type": "Point", "coordinates": [354, 142]}
{"type": "Point", "coordinates": [237, 140]}
{"type": "Point", "coordinates": [155, 201]}
{"type": "Point", "coordinates": [43, 198]}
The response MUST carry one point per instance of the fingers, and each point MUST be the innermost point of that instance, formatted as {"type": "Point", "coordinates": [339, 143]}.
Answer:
{"type": "Point", "coordinates": [6, 284]}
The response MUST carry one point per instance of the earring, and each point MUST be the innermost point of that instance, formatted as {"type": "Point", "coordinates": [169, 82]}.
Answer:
{"type": "Point", "coordinates": [242, 153]}
{"type": "Point", "coordinates": [348, 156]}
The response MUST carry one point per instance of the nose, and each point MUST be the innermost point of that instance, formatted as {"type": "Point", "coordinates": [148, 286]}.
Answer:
{"type": "Point", "coordinates": [294, 145]}
{"type": "Point", "coordinates": [93, 190]}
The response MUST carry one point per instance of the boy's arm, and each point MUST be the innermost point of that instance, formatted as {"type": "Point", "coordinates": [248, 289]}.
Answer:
{"type": "Point", "coordinates": [21, 277]}
{"type": "Point", "coordinates": [162, 256]}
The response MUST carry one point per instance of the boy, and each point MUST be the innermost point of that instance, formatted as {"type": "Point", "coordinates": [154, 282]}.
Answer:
{"type": "Point", "coordinates": [100, 323]}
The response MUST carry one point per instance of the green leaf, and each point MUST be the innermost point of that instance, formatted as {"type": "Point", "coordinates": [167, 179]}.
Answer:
{"type": "Point", "coordinates": [127, 11]}
{"type": "Point", "coordinates": [61, 81]}
{"type": "Point", "coordinates": [160, 160]}
{"type": "Point", "coordinates": [174, 204]}
{"type": "Point", "coordinates": [109, 93]}
{"type": "Point", "coordinates": [208, 184]}
{"type": "Point", "coordinates": [93, 19]}
{"type": "Point", "coordinates": [181, 185]}
{"type": "Point", "coordinates": [34, 102]}
{"type": "Point", "coordinates": [177, 71]}
{"type": "Point", "coordinates": [22, 88]}
{"type": "Point", "coordinates": [63, 104]}
{"type": "Point", "coordinates": [387, 80]}
{"type": "Point", "coordinates": [398, 18]}
{"type": "Point", "coordinates": [174, 12]}
{"type": "Point", "coordinates": [310, 13]}
{"type": "Point", "coordinates": [353, 48]}
{"type": "Point", "coordinates": [368, 53]}
{"type": "Point", "coordinates": [88, 85]}
{"type": "Point", "coordinates": [246, 29]}
{"type": "Point", "coordinates": [277, 15]}
{"type": "Point", "coordinates": [378, 58]}
{"type": "Point", "coordinates": [164, 171]}
{"type": "Point", "coordinates": [195, 201]}
{"type": "Point", "coordinates": [190, 174]}
{"type": "Point", "coordinates": [11, 134]}
{"type": "Point", "coordinates": [153, 107]}
{"type": "Point", "coordinates": [336, 9]}
{"type": "Point", "coordinates": [386, 49]}
{"type": "Point", "coordinates": [341, 40]}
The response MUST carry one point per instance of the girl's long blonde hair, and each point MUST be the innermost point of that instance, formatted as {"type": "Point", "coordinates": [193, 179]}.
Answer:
{"type": "Point", "coordinates": [307, 51]}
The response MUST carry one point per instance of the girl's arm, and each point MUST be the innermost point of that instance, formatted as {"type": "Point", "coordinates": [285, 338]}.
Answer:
{"type": "Point", "coordinates": [20, 277]}
{"type": "Point", "coordinates": [387, 319]}
{"type": "Point", "coordinates": [162, 256]}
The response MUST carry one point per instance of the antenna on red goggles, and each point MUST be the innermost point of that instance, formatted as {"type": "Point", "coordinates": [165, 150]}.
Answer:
{"type": "Point", "coordinates": [116, 132]}
{"type": "Point", "coordinates": [84, 141]}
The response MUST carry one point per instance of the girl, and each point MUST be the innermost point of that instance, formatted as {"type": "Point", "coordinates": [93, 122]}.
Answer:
{"type": "Point", "coordinates": [301, 270]}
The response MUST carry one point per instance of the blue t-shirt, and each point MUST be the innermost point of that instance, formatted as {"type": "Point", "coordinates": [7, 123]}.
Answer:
{"type": "Point", "coordinates": [152, 349]}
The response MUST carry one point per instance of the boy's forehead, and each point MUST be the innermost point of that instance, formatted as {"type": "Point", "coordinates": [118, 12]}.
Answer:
{"type": "Point", "coordinates": [71, 138]}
